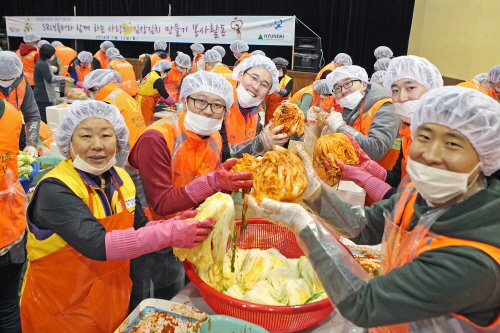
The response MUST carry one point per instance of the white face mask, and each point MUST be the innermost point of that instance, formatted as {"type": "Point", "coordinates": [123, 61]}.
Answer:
{"type": "Point", "coordinates": [163, 75]}
{"type": "Point", "coordinates": [80, 164]}
{"type": "Point", "coordinates": [52, 58]}
{"type": "Point", "coordinates": [244, 98]}
{"type": "Point", "coordinates": [436, 185]}
{"type": "Point", "coordinates": [8, 83]}
{"type": "Point", "coordinates": [201, 125]}
{"type": "Point", "coordinates": [405, 110]}
{"type": "Point", "coordinates": [351, 100]}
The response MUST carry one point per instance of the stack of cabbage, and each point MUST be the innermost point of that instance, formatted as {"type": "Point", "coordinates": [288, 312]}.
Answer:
{"type": "Point", "coordinates": [267, 277]}
{"type": "Point", "coordinates": [24, 162]}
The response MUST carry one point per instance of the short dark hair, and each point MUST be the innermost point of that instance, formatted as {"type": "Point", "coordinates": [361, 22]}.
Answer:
{"type": "Point", "coordinates": [47, 51]}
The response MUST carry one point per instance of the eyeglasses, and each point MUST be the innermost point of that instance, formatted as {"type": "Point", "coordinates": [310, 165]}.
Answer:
{"type": "Point", "coordinates": [254, 79]}
{"type": "Point", "coordinates": [201, 104]}
{"type": "Point", "coordinates": [346, 85]}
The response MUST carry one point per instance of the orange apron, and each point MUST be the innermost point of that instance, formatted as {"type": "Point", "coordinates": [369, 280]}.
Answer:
{"type": "Point", "coordinates": [173, 81]}
{"type": "Point", "coordinates": [154, 58]}
{"type": "Point", "coordinates": [65, 291]}
{"type": "Point", "coordinates": [101, 57]}
{"type": "Point", "coordinates": [405, 133]}
{"type": "Point", "coordinates": [82, 72]}
{"type": "Point", "coordinates": [129, 83]}
{"type": "Point", "coordinates": [28, 65]}
{"type": "Point", "coordinates": [66, 54]}
{"type": "Point", "coordinates": [147, 96]}
{"type": "Point", "coordinates": [239, 129]}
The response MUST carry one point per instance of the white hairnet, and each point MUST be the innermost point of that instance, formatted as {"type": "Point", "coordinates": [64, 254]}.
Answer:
{"type": "Point", "coordinates": [378, 77]}
{"type": "Point", "coordinates": [183, 60]}
{"type": "Point", "coordinates": [212, 56]}
{"type": "Point", "coordinates": [343, 59]}
{"type": "Point", "coordinates": [280, 62]}
{"type": "Point", "coordinates": [340, 73]}
{"type": "Point", "coordinates": [101, 77]}
{"type": "Point", "coordinates": [10, 65]}
{"type": "Point", "coordinates": [106, 45]}
{"type": "Point", "coordinates": [162, 66]}
{"type": "Point", "coordinates": [382, 64]}
{"type": "Point", "coordinates": [43, 42]}
{"type": "Point", "coordinates": [220, 49]}
{"type": "Point", "coordinates": [238, 46]}
{"type": "Point", "coordinates": [160, 45]}
{"type": "Point", "coordinates": [481, 78]}
{"type": "Point", "coordinates": [321, 87]}
{"type": "Point", "coordinates": [415, 68]}
{"type": "Point", "coordinates": [383, 52]}
{"type": "Point", "coordinates": [258, 52]}
{"type": "Point", "coordinates": [258, 61]}
{"type": "Point", "coordinates": [112, 52]}
{"type": "Point", "coordinates": [85, 56]}
{"type": "Point", "coordinates": [56, 43]}
{"type": "Point", "coordinates": [468, 111]}
{"type": "Point", "coordinates": [208, 82]}
{"type": "Point", "coordinates": [31, 37]}
{"type": "Point", "coordinates": [494, 74]}
{"type": "Point", "coordinates": [81, 110]}
{"type": "Point", "coordinates": [197, 47]}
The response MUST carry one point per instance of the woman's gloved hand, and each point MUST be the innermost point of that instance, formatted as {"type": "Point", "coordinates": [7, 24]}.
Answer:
{"type": "Point", "coordinates": [31, 150]}
{"type": "Point", "coordinates": [290, 215]}
{"type": "Point", "coordinates": [270, 138]}
{"type": "Point", "coordinates": [313, 184]}
{"type": "Point", "coordinates": [221, 179]}
{"type": "Point", "coordinates": [366, 162]}
{"type": "Point", "coordinates": [79, 84]}
{"type": "Point", "coordinates": [169, 101]}
{"type": "Point", "coordinates": [189, 234]}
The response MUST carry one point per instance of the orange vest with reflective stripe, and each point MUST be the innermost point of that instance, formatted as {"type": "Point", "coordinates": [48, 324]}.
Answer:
{"type": "Point", "coordinates": [129, 109]}
{"type": "Point", "coordinates": [363, 123]}
{"type": "Point", "coordinates": [46, 134]}
{"type": "Point", "coordinates": [486, 89]}
{"type": "Point", "coordinates": [274, 100]}
{"type": "Point", "coordinates": [126, 70]}
{"type": "Point", "coordinates": [239, 129]}
{"type": "Point", "coordinates": [101, 57]}
{"type": "Point", "coordinates": [329, 67]}
{"type": "Point", "coordinates": [297, 97]}
{"type": "Point", "coordinates": [173, 81]}
{"type": "Point", "coordinates": [154, 58]}
{"type": "Point", "coordinates": [16, 96]}
{"type": "Point", "coordinates": [405, 132]}
{"type": "Point", "coordinates": [12, 206]}
{"type": "Point", "coordinates": [28, 65]}
{"type": "Point", "coordinates": [225, 72]}
{"type": "Point", "coordinates": [66, 55]}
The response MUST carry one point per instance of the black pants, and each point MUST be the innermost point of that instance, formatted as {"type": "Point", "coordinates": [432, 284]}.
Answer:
{"type": "Point", "coordinates": [10, 274]}
{"type": "Point", "coordinates": [41, 107]}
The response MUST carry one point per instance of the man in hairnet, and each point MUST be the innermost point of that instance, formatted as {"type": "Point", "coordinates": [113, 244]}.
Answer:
{"type": "Point", "coordinates": [118, 63]}
{"type": "Point", "coordinates": [85, 224]}
{"type": "Point", "coordinates": [440, 235]}
{"type": "Point", "coordinates": [160, 53]}
{"type": "Point", "coordinates": [213, 61]}
{"type": "Point", "coordinates": [240, 51]}
{"type": "Point", "coordinates": [15, 89]}
{"type": "Point", "coordinates": [286, 86]}
{"type": "Point", "coordinates": [382, 52]}
{"type": "Point", "coordinates": [180, 68]}
{"type": "Point", "coordinates": [198, 54]}
{"type": "Point", "coordinates": [103, 86]}
{"type": "Point", "coordinates": [492, 87]}
{"type": "Point", "coordinates": [381, 64]}
{"type": "Point", "coordinates": [185, 171]}
{"type": "Point", "coordinates": [28, 53]}
{"type": "Point", "coordinates": [80, 67]}
{"type": "Point", "coordinates": [65, 55]}
{"type": "Point", "coordinates": [100, 55]}
{"type": "Point", "coordinates": [220, 49]}
{"type": "Point", "coordinates": [315, 95]}
{"type": "Point", "coordinates": [378, 77]}
{"type": "Point", "coordinates": [367, 114]}
{"type": "Point", "coordinates": [341, 59]}
{"type": "Point", "coordinates": [152, 88]}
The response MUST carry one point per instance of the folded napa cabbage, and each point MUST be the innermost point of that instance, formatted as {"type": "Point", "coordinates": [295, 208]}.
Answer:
{"type": "Point", "coordinates": [279, 260]}
{"type": "Point", "coordinates": [309, 274]}
{"type": "Point", "coordinates": [235, 292]}
{"type": "Point", "coordinates": [262, 293]}
{"type": "Point", "coordinates": [255, 268]}
{"type": "Point", "coordinates": [278, 275]}
{"type": "Point", "coordinates": [293, 292]}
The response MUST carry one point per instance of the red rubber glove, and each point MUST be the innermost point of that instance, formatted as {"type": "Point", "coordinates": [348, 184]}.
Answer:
{"type": "Point", "coordinates": [222, 180]}
{"type": "Point", "coordinates": [366, 162]}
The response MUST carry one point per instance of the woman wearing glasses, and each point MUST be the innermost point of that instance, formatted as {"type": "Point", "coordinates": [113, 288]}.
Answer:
{"type": "Point", "coordinates": [178, 159]}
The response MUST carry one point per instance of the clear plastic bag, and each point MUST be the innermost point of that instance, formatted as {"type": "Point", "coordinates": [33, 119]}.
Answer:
{"type": "Point", "coordinates": [13, 203]}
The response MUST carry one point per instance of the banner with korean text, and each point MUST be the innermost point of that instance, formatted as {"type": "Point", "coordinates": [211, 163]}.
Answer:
{"type": "Point", "coordinates": [255, 30]}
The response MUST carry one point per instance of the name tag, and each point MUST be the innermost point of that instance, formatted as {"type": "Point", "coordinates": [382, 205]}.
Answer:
{"type": "Point", "coordinates": [130, 202]}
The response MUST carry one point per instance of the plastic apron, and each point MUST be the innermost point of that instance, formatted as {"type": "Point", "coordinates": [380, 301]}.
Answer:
{"type": "Point", "coordinates": [67, 292]}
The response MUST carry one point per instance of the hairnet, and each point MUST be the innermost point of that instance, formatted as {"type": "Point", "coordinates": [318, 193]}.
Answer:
{"type": "Point", "coordinates": [280, 62]}
{"type": "Point", "coordinates": [382, 64]}
{"type": "Point", "coordinates": [183, 60]}
{"type": "Point", "coordinates": [258, 61]}
{"type": "Point", "coordinates": [56, 43]}
{"type": "Point", "coordinates": [106, 45]}
{"type": "Point", "coordinates": [81, 110]}
{"type": "Point", "coordinates": [344, 72]}
{"type": "Point", "coordinates": [10, 65]}
{"type": "Point", "coordinates": [378, 77]}
{"type": "Point", "coordinates": [197, 47]}
{"type": "Point", "coordinates": [162, 66]}
{"type": "Point", "coordinates": [43, 42]}
{"type": "Point", "coordinates": [1, 49]}
{"type": "Point", "coordinates": [111, 52]}
{"type": "Point", "coordinates": [258, 52]}
{"type": "Point", "coordinates": [85, 56]}
{"type": "Point", "coordinates": [238, 46]}
{"type": "Point", "coordinates": [101, 77]}
{"type": "Point", "coordinates": [31, 37]}
{"type": "Point", "coordinates": [220, 49]}
{"type": "Point", "coordinates": [415, 68]}
{"type": "Point", "coordinates": [468, 111]}
{"type": "Point", "coordinates": [208, 82]}
{"type": "Point", "coordinates": [321, 87]}
{"type": "Point", "coordinates": [160, 45]}
{"type": "Point", "coordinates": [212, 56]}
{"type": "Point", "coordinates": [343, 59]}
{"type": "Point", "coordinates": [494, 74]}
{"type": "Point", "coordinates": [383, 52]}
{"type": "Point", "coordinates": [481, 78]}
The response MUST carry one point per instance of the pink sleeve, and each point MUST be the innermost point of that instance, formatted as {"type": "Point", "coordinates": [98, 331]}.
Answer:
{"type": "Point", "coordinates": [151, 157]}
{"type": "Point", "coordinates": [376, 188]}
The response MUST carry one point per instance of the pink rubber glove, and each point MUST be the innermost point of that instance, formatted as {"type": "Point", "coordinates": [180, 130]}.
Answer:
{"type": "Point", "coordinates": [222, 180]}
{"type": "Point", "coordinates": [373, 186]}
{"type": "Point", "coordinates": [366, 162]}
{"type": "Point", "coordinates": [130, 243]}
{"type": "Point", "coordinates": [185, 215]}
{"type": "Point", "coordinates": [79, 84]}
